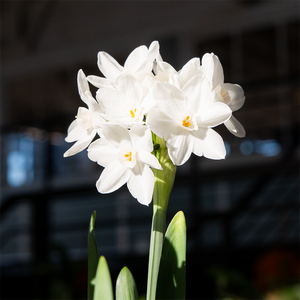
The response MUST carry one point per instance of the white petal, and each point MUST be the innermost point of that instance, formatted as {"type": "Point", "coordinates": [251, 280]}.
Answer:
{"type": "Point", "coordinates": [161, 124]}
{"type": "Point", "coordinates": [82, 84]}
{"type": "Point", "coordinates": [92, 104]}
{"type": "Point", "coordinates": [145, 68]}
{"type": "Point", "coordinates": [141, 138]}
{"type": "Point", "coordinates": [98, 120]}
{"type": "Point", "coordinates": [153, 50]}
{"type": "Point", "coordinates": [141, 183]}
{"type": "Point", "coordinates": [192, 91]}
{"type": "Point", "coordinates": [162, 66]}
{"type": "Point", "coordinates": [111, 102]}
{"type": "Point", "coordinates": [212, 69]}
{"type": "Point", "coordinates": [98, 81]}
{"type": "Point", "coordinates": [80, 145]}
{"type": "Point", "coordinates": [148, 81]}
{"type": "Point", "coordinates": [150, 100]}
{"type": "Point", "coordinates": [136, 58]}
{"type": "Point", "coordinates": [209, 143]}
{"type": "Point", "coordinates": [84, 118]}
{"type": "Point", "coordinates": [149, 159]}
{"type": "Point", "coordinates": [213, 114]}
{"type": "Point", "coordinates": [180, 148]}
{"type": "Point", "coordinates": [84, 92]}
{"type": "Point", "coordinates": [102, 152]}
{"type": "Point", "coordinates": [75, 132]}
{"type": "Point", "coordinates": [130, 89]}
{"type": "Point", "coordinates": [174, 79]}
{"type": "Point", "coordinates": [236, 94]}
{"type": "Point", "coordinates": [207, 95]}
{"type": "Point", "coordinates": [159, 57]}
{"type": "Point", "coordinates": [171, 100]}
{"type": "Point", "coordinates": [109, 67]}
{"type": "Point", "coordinates": [235, 127]}
{"type": "Point", "coordinates": [189, 70]}
{"type": "Point", "coordinates": [141, 59]}
{"type": "Point", "coordinates": [113, 177]}
{"type": "Point", "coordinates": [117, 135]}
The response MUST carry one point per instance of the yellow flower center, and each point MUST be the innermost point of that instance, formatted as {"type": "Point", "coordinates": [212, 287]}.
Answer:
{"type": "Point", "coordinates": [133, 110]}
{"type": "Point", "coordinates": [133, 113]}
{"type": "Point", "coordinates": [128, 155]}
{"type": "Point", "coordinates": [186, 122]}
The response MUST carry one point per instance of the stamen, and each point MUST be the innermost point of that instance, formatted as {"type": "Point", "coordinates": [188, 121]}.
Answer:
{"type": "Point", "coordinates": [133, 110]}
{"type": "Point", "coordinates": [128, 156]}
{"type": "Point", "coordinates": [133, 113]}
{"type": "Point", "coordinates": [186, 122]}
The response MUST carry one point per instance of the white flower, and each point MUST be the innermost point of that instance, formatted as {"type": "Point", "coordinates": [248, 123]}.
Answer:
{"type": "Point", "coordinates": [184, 119]}
{"type": "Point", "coordinates": [123, 104]}
{"type": "Point", "coordinates": [139, 64]}
{"type": "Point", "coordinates": [126, 156]}
{"type": "Point", "coordinates": [230, 94]}
{"type": "Point", "coordinates": [88, 121]}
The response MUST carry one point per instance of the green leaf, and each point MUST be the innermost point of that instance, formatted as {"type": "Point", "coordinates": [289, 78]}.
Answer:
{"type": "Point", "coordinates": [172, 273]}
{"type": "Point", "coordinates": [125, 287]}
{"type": "Point", "coordinates": [93, 256]}
{"type": "Point", "coordinates": [102, 281]}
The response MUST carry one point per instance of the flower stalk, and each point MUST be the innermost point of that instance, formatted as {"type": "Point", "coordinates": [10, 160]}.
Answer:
{"type": "Point", "coordinates": [163, 184]}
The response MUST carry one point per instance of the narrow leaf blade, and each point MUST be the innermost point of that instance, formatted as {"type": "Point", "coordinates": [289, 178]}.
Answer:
{"type": "Point", "coordinates": [103, 285]}
{"type": "Point", "coordinates": [93, 256]}
{"type": "Point", "coordinates": [172, 272]}
{"type": "Point", "coordinates": [125, 287]}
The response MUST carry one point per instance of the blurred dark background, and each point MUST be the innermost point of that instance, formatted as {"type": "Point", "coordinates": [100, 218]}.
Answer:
{"type": "Point", "coordinates": [242, 213]}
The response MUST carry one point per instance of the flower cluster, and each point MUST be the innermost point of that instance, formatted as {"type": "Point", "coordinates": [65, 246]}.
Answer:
{"type": "Point", "coordinates": [148, 96]}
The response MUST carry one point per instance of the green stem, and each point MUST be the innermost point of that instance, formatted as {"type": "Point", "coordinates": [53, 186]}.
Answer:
{"type": "Point", "coordinates": [163, 184]}
{"type": "Point", "coordinates": [156, 242]}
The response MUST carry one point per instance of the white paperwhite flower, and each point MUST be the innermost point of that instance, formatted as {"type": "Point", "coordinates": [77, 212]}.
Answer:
{"type": "Point", "coordinates": [88, 120]}
{"type": "Point", "coordinates": [230, 94]}
{"type": "Point", "coordinates": [139, 64]}
{"type": "Point", "coordinates": [126, 156]}
{"type": "Point", "coordinates": [184, 119]}
{"type": "Point", "coordinates": [123, 103]}
{"type": "Point", "coordinates": [147, 97]}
